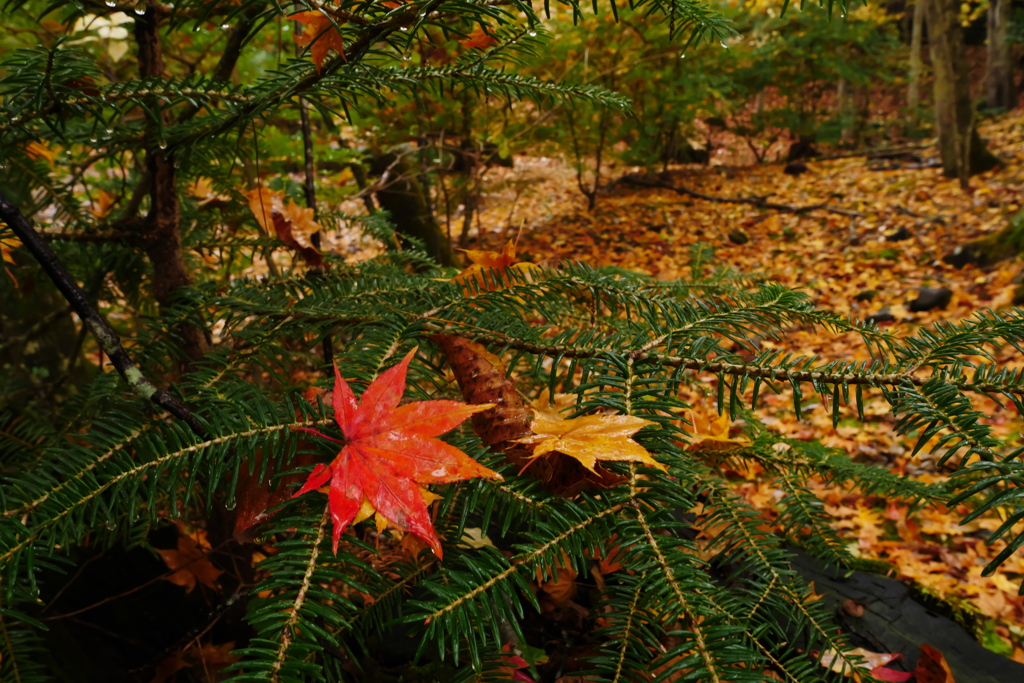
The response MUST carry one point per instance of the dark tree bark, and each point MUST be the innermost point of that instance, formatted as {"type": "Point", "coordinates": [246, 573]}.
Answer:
{"type": "Point", "coordinates": [916, 64]}
{"type": "Point", "coordinates": [402, 195]}
{"type": "Point", "coordinates": [962, 149]}
{"type": "Point", "coordinates": [999, 86]}
{"type": "Point", "coordinates": [161, 234]}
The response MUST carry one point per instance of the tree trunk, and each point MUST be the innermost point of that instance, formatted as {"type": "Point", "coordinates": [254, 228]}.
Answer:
{"type": "Point", "coordinates": [403, 197]}
{"type": "Point", "coordinates": [844, 112]}
{"type": "Point", "coordinates": [963, 151]}
{"type": "Point", "coordinates": [161, 236]}
{"type": "Point", "coordinates": [916, 64]}
{"type": "Point", "coordinates": [999, 88]}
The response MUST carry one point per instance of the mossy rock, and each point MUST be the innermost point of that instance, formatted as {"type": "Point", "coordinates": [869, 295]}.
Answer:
{"type": "Point", "coordinates": [992, 249]}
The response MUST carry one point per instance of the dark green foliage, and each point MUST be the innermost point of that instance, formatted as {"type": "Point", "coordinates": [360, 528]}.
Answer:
{"type": "Point", "coordinates": [104, 467]}
{"type": "Point", "coordinates": [743, 610]}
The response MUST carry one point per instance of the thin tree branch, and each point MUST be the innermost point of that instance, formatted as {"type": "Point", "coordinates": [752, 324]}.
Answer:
{"type": "Point", "coordinates": [759, 202]}
{"type": "Point", "coordinates": [91, 236]}
{"type": "Point", "coordinates": [91, 318]}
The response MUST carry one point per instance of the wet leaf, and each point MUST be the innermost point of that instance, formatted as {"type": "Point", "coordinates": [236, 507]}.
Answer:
{"type": "Point", "coordinates": [321, 34]}
{"type": "Point", "coordinates": [591, 439]}
{"type": "Point", "coordinates": [389, 453]}
{"type": "Point", "coordinates": [932, 667]}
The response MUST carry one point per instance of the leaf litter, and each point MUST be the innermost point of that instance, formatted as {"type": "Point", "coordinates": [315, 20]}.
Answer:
{"type": "Point", "coordinates": [858, 266]}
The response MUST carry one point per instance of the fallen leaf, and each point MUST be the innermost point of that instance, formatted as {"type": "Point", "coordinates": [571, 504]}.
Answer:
{"type": "Point", "coordinates": [39, 150]}
{"type": "Point", "coordinates": [101, 205]}
{"type": "Point", "coordinates": [189, 561]}
{"type": "Point", "coordinates": [292, 224]}
{"type": "Point", "coordinates": [479, 39]}
{"type": "Point", "coordinates": [560, 586]}
{"type": "Point", "coordinates": [932, 667]}
{"type": "Point", "coordinates": [590, 439]}
{"type": "Point", "coordinates": [321, 32]}
{"type": "Point", "coordinates": [874, 663]}
{"type": "Point", "coordinates": [302, 227]}
{"type": "Point", "coordinates": [389, 452]}
{"type": "Point", "coordinates": [704, 429]}
{"type": "Point", "coordinates": [502, 261]}
{"type": "Point", "coordinates": [212, 658]}
{"type": "Point", "coordinates": [475, 538]}
{"type": "Point", "coordinates": [7, 245]}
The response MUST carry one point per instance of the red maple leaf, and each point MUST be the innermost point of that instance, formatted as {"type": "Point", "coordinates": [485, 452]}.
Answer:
{"type": "Point", "coordinates": [389, 452]}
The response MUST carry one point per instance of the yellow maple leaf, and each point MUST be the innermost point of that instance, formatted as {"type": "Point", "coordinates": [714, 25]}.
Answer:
{"type": "Point", "coordinates": [504, 261]}
{"type": "Point", "coordinates": [37, 150]}
{"type": "Point", "coordinates": [322, 33]}
{"type": "Point", "coordinates": [590, 438]}
{"type": "Point", "coordinates": [703, 429]}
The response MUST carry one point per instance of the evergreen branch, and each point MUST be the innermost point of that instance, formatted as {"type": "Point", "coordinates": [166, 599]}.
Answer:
{"type": "Point", "coordinates": [719, 368]}
{"type": "Point", "coordinates": [138, 470]}
{"type": "Point", "coordinates": [630, 615]}
{"type": "Point", "coordinates": [300, 598]}
{"type": "Point", "coordinates": [687, 613]}
{"type": "Point", "coordinates": [370, 34]}
{"type": "Point", "coordinates": [123, 92]}
{"type": "Point", "coordinates": [71, 477]}
{"type": "Point", "coordinates": [750, 545]}
{"type": "Point", "coordinates": [520, 561]}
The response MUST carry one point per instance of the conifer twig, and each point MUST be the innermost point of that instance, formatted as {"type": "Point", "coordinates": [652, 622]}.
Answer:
{"type": "Point", "coordinates": [108, 340]}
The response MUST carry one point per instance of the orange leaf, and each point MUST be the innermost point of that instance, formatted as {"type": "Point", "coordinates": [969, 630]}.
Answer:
{"type": "Point", "coordinates": [7, 245]}
{"type": "Point", "coordinates": [264, 203]}
{"type": "Point", "coordinates": [101, 206]}
{"type": "Point", "coordinates": [591, 438]}
{"type": "Point", "coordinates": [560, 586]}
{"type": "Point", "coordinates": [608, 557]}
{"type": "Point", "coordinates": [292, 224]}
{"type": "Point", "coordinates": [189, 561]}
{"type": "Point", "coordinates": [503, 261]}
{"type": "Point", "coordinates": [39, 150]}
{"type": "Point", "coordinates": [322, 33]}
{"type": "Point", "coordinates": [479, 39]}
{"type": "Point", "coordinates": [301, 224]}
{"type": "Point", "coordinates": [390, 452]}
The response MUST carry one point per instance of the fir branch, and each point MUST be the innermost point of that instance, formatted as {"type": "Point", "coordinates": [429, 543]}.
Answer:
{"type": "Point", "coordinates": [686, 611]}
{"type": "Point", "coordinates": [133, 474]}
{"type": "Point", "coordinates": [720, 368]}
{"type": "Point", "coordinates": [520, 561]}
{"type": "Point", "coordinates": [300, 598]}
{"type": "Point", "coordinates": [631, 614]}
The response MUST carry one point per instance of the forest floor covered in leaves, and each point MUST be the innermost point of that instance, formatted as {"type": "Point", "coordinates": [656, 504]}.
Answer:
{"type": "Point", "coordinates": [894, 219]}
